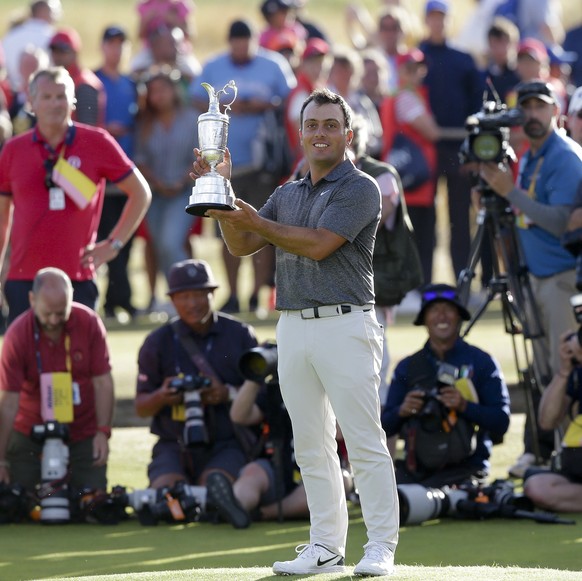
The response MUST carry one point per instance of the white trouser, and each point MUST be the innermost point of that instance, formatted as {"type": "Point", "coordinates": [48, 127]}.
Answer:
{"type": "Point", "coordinates": [330, 367]}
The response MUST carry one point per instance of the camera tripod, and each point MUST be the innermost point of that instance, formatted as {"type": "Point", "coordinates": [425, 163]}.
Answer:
{"type": "Point", "coordinates": [510, 282]}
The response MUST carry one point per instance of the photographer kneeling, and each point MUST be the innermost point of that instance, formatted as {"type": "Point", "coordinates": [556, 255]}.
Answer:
{"type": "Point", "coordinates": [560, 489]}
{"type": "Point", "coordinates": [188, 376]}
{"type": "Point", "coordinates": [445, 400]}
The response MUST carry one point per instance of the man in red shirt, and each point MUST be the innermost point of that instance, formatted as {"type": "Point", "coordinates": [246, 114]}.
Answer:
{"type": "Point", "coordinates": [55, 337]}
{"type": "Point", "coordinates": [52, 181]}
{"type": "Point", "coordinates": [90, 93]}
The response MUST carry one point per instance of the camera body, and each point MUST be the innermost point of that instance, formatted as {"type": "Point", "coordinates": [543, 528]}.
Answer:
{"type": "Point", "coordinates": [447, 375]}
{"type": "Point", "coordinates": [181, 502]}
{"type": "Point", "coordinates": [53, 490]}
{"type": "Point", "coordinates": [195, 432]}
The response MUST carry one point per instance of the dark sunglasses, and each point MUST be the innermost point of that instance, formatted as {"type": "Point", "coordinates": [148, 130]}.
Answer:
{"type": "Point", "coordinates": [49, 164]}
{"type": "Point", "coordinates": [445, 294]}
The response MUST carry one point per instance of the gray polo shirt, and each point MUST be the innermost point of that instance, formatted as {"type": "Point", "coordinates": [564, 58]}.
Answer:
{"type": "Point", "coordinates": [346, 202]}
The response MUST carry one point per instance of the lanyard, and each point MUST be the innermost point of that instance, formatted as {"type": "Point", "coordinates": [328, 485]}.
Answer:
{"type": "Point", "coordinates": [531, 190]}
{"type": "Point", "coordinates": [37, 346]}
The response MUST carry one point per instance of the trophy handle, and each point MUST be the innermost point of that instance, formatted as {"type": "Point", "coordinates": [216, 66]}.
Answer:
{"type": "Point", "coordinates": [230, 85]}
{"type": "Point", "coordinates": [214, 96]}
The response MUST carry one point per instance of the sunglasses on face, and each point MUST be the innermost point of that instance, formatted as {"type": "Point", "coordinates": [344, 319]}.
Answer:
{"type": "Point", "coordinates": [445, 294]}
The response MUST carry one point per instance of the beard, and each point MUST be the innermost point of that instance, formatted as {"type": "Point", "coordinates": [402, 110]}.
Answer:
{"type": "Point", "coordinates": [535, 129]}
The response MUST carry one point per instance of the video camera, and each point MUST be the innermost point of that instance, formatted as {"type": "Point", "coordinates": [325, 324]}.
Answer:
{"type": "Point", "coordinates": [488, 137]}
{"type": "Point", "coordinates": [195, 432]}
{"type": "Point", "coordinates": [419, 504]}
{"type": "Point", "coordinates": [53, 490]}
{"type": "Point", "coordinates": [260, 363]}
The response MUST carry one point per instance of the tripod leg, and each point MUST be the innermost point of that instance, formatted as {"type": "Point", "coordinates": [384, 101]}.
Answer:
{"type": "Point", "coordinates": [468, 273]}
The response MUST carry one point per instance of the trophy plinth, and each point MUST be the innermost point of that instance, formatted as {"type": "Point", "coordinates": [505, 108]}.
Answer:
{"type": "Point", "coordinates": [213, 191]}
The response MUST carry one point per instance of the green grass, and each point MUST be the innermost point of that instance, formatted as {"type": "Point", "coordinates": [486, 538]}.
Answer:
{"type": "Point", "coordinates": [440, 549]}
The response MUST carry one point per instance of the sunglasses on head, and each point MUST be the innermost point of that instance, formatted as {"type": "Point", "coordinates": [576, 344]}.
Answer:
{"type": "Point", "coordinates": [444, 294]}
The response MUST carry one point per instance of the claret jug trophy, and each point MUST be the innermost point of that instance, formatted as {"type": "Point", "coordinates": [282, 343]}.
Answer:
{"type": "Point", "coordinates": [212, 191]}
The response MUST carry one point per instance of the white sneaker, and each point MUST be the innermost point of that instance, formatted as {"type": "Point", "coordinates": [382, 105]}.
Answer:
{"type": "Point", "coordinates": [378, 560]}
{"type": "Point", "coordinates": [521, 465]}
{"type": "Point", "coordinates": [312, 558]}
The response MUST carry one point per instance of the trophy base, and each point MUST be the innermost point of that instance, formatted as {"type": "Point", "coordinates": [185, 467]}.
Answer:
{"type": "Point", "coordinates": [210, 193]}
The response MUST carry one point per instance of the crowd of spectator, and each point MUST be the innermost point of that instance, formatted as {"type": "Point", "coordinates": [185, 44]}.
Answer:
{"type": "Point", "coordinates": [410, 66]}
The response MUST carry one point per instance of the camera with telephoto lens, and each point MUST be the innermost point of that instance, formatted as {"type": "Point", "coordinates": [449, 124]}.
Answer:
{"type": "Point", "coordinates": [182, 502]}
{"type": "Point", "coordinates": [53, 490]}
{"type": "Point", "coordinates": [195, 432]}
{"type": "Point", "coordinates": [260, 363]}
{"type": "Point", "coordinates": [447, 375]}
{"type": "Point", "coordinates": [419, 504]}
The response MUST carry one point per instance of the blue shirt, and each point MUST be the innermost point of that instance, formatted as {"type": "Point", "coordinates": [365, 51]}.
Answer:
{"type": "Point", "coordinates": [267, 77]}
{"type": "Point", "coordinates": [491, 413]}
{"type": "Point", "coordinates": [121, 106]}
{"type": "Point", "coordinates": [162, 355]}
{"type": "Point", "coordinates": [455, 85]}
{"type": "Point", "coordinates": [559, 173]}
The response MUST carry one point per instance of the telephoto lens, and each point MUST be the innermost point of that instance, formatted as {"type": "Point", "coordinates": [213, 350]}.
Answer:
{"type": "Point", "coordinates": [54, 489]}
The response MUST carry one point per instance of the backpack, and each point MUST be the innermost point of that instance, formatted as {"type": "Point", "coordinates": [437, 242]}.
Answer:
{"type": "Point", "coordinates": [396, 262]}
{"type": "Point", "coordinates": [439, 439]}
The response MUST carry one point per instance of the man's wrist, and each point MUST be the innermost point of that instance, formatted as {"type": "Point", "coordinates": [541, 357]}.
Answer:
{"type": "Point", "coordinates": [115, 243]}
{"type": "Point", "coordinates": [104, 430]}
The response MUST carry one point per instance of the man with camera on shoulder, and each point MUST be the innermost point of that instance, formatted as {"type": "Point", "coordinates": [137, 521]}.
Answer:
{"type": "Point", "coordinates": [542, 196]}
{"type": "Point", "coordinates": [446, 400]}
{"type": "Point", "coordinates": [188, 376]}
{"type": "Point", "coordinates": [560, 488]}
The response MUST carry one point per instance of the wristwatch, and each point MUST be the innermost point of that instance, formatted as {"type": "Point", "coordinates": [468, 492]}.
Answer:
{"type": "Point", "coordinates": [105, 430]}
{"type": "Point", "coordinates": [116, 244]}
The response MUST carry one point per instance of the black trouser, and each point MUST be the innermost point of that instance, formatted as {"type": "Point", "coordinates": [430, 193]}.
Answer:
{"type": "Point", "coordinates": [423, 220]}
{"type": "Point", "coordinates": [459, 193]}
{"type": "Point", "coordinates": [118, 292]}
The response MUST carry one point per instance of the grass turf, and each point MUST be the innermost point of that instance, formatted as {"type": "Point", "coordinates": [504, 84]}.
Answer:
{"type": "Point", "coordinates": [444, 548]}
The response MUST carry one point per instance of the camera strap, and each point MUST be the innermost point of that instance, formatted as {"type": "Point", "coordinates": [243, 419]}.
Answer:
{"type": "Point", "coordinates": [244, 435]}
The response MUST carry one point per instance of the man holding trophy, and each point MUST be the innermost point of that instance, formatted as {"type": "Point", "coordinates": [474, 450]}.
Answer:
{"type": "Point", "coordinates": [329, 340]}
{"type": "Point", "coordinates": [263, 79]}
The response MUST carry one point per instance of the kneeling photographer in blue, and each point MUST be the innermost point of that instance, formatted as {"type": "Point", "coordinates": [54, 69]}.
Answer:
{"type": "Point", "coordinates": [447, 401]}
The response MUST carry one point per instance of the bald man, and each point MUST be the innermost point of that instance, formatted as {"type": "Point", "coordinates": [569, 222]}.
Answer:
{"type": "Point", "coordinates": [56, 350]}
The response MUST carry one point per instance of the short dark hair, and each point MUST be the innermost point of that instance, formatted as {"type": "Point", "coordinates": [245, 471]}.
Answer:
{"type": "Point", "coordinates": [325, 96]}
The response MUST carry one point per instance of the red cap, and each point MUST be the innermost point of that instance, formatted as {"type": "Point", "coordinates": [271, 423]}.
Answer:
{"type": "Point", "coordinates": [66, 38]}
{"type": "Point", "coordinates": [283, 40]}
{"type": "Point", "coordinates": [315, 47]}
{"type": "Point", "coordinates": [535, 48]}
{"type": "Point", "coordinates": [413, 56]}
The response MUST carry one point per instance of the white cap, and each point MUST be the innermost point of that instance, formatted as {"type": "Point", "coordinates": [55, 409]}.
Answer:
{"type": "Point", "coordinates": [575, 102]}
